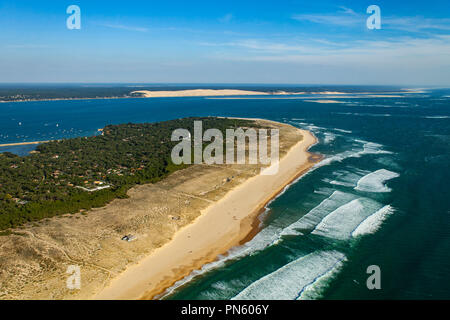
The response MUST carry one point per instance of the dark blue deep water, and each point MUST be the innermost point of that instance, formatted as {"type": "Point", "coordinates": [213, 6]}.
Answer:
{"type": "Point", "coordinates": [381, 195]}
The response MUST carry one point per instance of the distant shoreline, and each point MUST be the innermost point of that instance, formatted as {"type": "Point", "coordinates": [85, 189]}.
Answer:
{"type": "Point", "coordinates": [23, 143]}
{"type": "Point", "coordinates": [141, 94]}
{"type": "Point", "coordinates": [200, 93]}
{"type": "Point", "coordinates": [65, 99]}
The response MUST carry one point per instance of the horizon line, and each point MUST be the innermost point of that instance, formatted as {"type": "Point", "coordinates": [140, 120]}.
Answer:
{"type": "Point", "coordinates": [224, 83]}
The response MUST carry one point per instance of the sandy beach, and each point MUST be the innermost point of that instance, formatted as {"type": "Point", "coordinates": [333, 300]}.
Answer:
{"type": "Point", "coordinates": [178, 223]}
{"type": "Point", "coordinates": [221, 226]}
{"type": "Point", "coordinates": [197, 93]}
{"type": "Point", "coordinates": [221, 93]}
{"type": "Point", "coordinates": [224, 94]}
{"type": "Point", "coordinates": [22, 143]}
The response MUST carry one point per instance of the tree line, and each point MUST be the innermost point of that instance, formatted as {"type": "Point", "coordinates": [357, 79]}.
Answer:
{"type": "Point", "coordinates": [53, 179]}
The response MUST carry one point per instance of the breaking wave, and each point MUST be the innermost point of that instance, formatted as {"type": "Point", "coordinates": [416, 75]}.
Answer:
{"type": "Point", "coordinates": [329, 137]}
{"type": "Point", "coordinates": [346, 178]}
{"type": "Point", "coordinates": [368, 148]}
{"type": "Point", "coordinates": [342, 222]}
{"type": "Point", "coordinates": [375, 181]}
{"type": "Point", "coordinates": [297, 279]}
{"type": "Point", "coordinates": [437, 117]}
{"type": "Point", "coordinates": [310, 220]}
{"type": "Point", "coordinates": [342, 130]}
{"type": "Point", "coordinates": [373, 222]}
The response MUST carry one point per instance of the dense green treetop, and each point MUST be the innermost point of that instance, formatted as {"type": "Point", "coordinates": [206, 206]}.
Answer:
{"type": "Point", "coordinates": [61, 176]}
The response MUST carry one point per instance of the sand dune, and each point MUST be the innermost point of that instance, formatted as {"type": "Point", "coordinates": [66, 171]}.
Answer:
{"type": "Point", "coordinates": [222, 93]}
{"type": "Point", "coordinates": [179, 224]}
{"type": "Point", "coordinates": [221, 226]}
{"type": "Point", "coordinates": [196, 93]}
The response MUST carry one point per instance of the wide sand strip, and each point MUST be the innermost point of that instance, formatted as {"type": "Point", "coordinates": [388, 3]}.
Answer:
{"type": "Point", "coordinates": [221, 226]}
{"type": "Point", "coordinates": [22, 143]}
{"type": "Point", "coordinates": [197, 93]}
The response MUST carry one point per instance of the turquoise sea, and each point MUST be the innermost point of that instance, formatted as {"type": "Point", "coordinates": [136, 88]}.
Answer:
{"type": "Point", "coordinates": [380, 196]}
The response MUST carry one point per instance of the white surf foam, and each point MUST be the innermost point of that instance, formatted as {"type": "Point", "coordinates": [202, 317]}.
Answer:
{"type": "Point", "coordinates": [329, 137]}
{"type": "Point", "coordinates": [308, 126]}
{"type": "Point", "coordinates": [313, 217]}
{"type": "Point", "coordinates": [290, 281]}
{"type": "Point", "coordinates": [346, 178]}
{"type": "Point", "coordinates": [342, 130]}
{"type": "Point", "coordinates": [338, 182]}
{"type": "Point", "coordinates": [263, 239]}
{"type": "Point", "coordinates": [316, 289]}
{"type": "Point", "coordinates": [375, 181]}
{"type": "Point", "coordinates": [314, 128]}
{"type": "Point", "coordinates": [368, 148]}
{"type": "Point", "coordinates": [373, 222]}
{"type": "Point", "coordinates": [437, 117]}
{"type": "Point", "coordinates": [372, 148]}
{"type": "Point", "coordinates": [364, 114]}
{"type": "Point", "coordinates": [266, 237]}
{"type": "Point", "coordinates": [221, 288]}
{"type": "Point", "coordinates": [396, 105]}
{"type": "Point", "coordinates": [341, 223]}
{"type": "Point", "coordinates": [271, 234]}
{"type": "Point", "coordinates": [324, 191]}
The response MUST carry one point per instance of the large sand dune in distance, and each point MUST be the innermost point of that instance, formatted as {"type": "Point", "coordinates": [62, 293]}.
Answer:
{"type": "Point", "coordinates": [197, 93]}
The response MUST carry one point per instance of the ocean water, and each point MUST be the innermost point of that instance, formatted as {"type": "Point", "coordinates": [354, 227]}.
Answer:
{"type": "Point", "coordinates": [380, 196]}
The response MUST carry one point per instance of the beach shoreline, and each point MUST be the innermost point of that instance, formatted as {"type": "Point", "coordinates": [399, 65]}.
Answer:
{"type": "Point", "coordinates": [223, 94]}
{"type": "Point", "coordinates": [197, 93]}
{"type": "Point", "coordinates": [227, 223]}
{"type": "Point", "coordinates": [23, 143]}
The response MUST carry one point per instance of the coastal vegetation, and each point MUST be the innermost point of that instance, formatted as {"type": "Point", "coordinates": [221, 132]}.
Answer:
{"type": "Point", "coordinates": [9, 93]}
{"type": "Point", "coordinates": [73, 175]}
{"type": "Point", "coordinates": [31, 92]}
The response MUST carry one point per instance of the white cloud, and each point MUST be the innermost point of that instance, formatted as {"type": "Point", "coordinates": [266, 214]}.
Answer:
{"type": "Point", "coordinates": [416, 24]}
{"type": "Point", "coordinates": [390, 54]}
{"type": "Point", "coordinates": [257, 45]}
{"type": "Point", "coordinates": [348, 17]}
{"type": "Point", "coordinates": [330, 19]}
{"type": "Point", "coordinates": [348, 11]}
{"type": "Point", "coordinates": [124, 27]}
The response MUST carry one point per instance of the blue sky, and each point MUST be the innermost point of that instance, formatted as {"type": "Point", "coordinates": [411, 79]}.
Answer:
{"type": "Point", "coordinates": [301, 42]}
